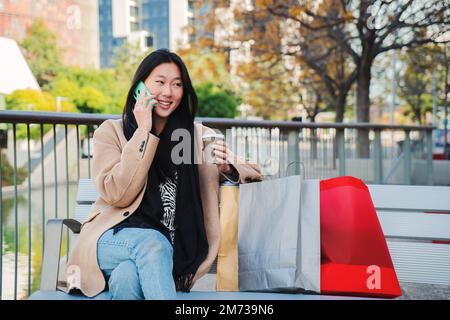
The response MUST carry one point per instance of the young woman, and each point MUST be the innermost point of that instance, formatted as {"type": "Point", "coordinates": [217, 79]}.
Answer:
{"type": "Point", "coordinates": [154, 229]}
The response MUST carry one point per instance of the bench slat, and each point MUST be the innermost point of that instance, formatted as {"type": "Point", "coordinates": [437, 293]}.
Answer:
{"type": "Point", "coordinates": [421, 262]}
{"type": "Point", "coordinates": [413, 198]}
{"type": "Point", "coordinates": [87, 193]}
{"type": "Point", "coordinates": [415, 225]}
{"type": "Point", "coordinates": [82, 211]}
{"type": "Point", "coordinates": [384, 196]}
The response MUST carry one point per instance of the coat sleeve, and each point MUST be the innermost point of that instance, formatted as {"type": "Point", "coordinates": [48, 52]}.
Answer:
{"type": "Point", "coordinates": [244, 172]}
{"type": "Point", "coordinates": [119, 174]}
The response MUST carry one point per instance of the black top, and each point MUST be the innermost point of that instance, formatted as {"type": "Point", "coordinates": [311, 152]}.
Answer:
{"type": "Point", "coordinates": [144, 216]}
{"type": "Point", "coordinates": [164, 207]}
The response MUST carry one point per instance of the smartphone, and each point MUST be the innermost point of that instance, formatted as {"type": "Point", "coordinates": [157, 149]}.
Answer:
{"type": "Point", "coordinates": [141, 86]}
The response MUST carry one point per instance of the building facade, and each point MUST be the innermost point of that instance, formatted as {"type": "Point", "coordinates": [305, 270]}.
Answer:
{"type": "Point", "coordinates": [152, 23]}
{"type": "Point", "coordinates": [75, 23]}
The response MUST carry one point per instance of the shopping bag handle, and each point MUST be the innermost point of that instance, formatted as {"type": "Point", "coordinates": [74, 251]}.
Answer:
{"type": "Point", "coordinates": [302, 165]}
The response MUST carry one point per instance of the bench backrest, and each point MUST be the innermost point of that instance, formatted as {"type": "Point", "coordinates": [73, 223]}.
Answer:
{"type": "Point", "coordinates": [416, 224]}
{"type": "Point", "coordinates": [412, 219]}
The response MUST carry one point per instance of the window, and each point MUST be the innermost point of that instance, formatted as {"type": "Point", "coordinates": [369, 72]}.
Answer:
{"type": "Point", "coordinates": [134, 11]}
{"type": "Point", "coordinates": [191, 5]}
{"type": "Point", "coordinates": [134, 26]}
{"type": "Point", "coordinates": [149, 41]}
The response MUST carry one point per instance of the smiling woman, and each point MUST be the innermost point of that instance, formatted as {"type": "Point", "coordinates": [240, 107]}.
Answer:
{"type": "Point", "coordinates": [166, 87]}
{"type": "Point", "coordinates": [159, 230]}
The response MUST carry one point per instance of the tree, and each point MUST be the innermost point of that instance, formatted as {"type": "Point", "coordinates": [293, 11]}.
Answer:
{"type": "Point", "coordinates": [90, 90]}
{"type": "Point", "coordinates": [206, 66]}
{"type": "Point", "coordinates": [315, 98]}
{"type": "Point", "coordinates": [267, 88]}
{"type": "Point", "coordinates": [367, 28]}
{"type": "Point", "coordinates": [7, 174]}
{"type": "Point", "coordinates": [126, 59]}
{"type": "Point", "coordinates": [42, 52]}
{"type": "Point", "coordinates": [329, 63]}
{"type": "Point", "coordinates": [34, 100]}
{"type": "Point", "coordinates": [360, 29]}
{"type": "Point", "coordinates": [90, 100]}
{"type": "Point", "coordinates": [416, 82]}
{"type": "Point", "coordinates": [270, 37]}
{"type": "Point", "coordinates": [215, 101]}
{"type": "Point", "coordinates": [218, 96]}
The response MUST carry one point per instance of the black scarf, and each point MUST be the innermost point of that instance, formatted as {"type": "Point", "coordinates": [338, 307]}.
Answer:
{"type": "Point", "coordinates": [190, 242]}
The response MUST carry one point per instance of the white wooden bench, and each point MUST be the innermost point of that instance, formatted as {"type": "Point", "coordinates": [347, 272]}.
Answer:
{"type": "Point", "coordinates": [411, 218]}
{"type": "Point", "coordinates": [403, 211]}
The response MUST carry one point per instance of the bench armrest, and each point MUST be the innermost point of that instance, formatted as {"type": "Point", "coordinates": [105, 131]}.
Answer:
{"type": "Point", "coordinates": [52, 248]}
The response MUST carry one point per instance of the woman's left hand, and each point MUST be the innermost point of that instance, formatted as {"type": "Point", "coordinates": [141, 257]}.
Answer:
{"type": "Point", "coordinates": [201, 271]}
{"type": "Point", "coordinates": [223, 156]}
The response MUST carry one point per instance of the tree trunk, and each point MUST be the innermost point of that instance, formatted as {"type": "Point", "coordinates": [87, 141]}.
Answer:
{"type": "Point", "coordinates": [339, 118]}
{"type": "Point", "coordinates": [313, 139]}
{"type": "Point", "coordinates": [363, 107]}
{"type": "Point", "coordinates": [417, 110]}
{"type": "Point", "coordinates": [340, 107]}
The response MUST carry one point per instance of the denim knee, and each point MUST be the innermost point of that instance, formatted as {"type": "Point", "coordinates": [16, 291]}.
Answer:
{"type": "Point", "coordinates": [155, 244]}
{"type": "Point", "coordinates": [153, 256]}
{"type": "Point", "coordinates": [124, 282]}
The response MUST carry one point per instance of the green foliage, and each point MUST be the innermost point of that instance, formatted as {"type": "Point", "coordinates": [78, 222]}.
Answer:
{"type": "Point", "coordinates": [216, 102]}
{"type": "Point", "coordinates": [206, 67]}
{"type": "Point", "coordinates": [30, 99]}
{"type": "Point", "coordinates": [126, 59]}
{"type": "Point", "coordinates": [34, 100]}
{"type": "Point", "coordinates": [42, 52]}
{"type": "Point", "coordinates": [416, 81]}
{"type": "Point", "coordinates": [90, 90]}
{"type": "Point", "coordinates": [90, 100]}
{"type": "Point", "coordinates": [8, 172]}
{"type": "Point", "coordinates": [217, 95]}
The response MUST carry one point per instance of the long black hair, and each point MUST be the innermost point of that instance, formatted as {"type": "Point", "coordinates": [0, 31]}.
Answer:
{"type": "Point", "coordinates": [182, 117]}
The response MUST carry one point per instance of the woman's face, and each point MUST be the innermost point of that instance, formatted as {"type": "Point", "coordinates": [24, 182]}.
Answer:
{"type": "Point", "coordinates": [164, 82]}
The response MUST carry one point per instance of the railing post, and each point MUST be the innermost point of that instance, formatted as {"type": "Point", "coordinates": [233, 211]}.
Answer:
{"type": "Point", "coordinates": [429, 144]}
{"type": "Point", "coordinates": [293, 152]}
{"type": "Point", "coordinates": [341, 150]}
{"type": "Point", "coordinates": [313, 149]}
{"type": "Point", "coordinates": [378, 158]}
{"type": "Point", "coordinates": [407, 158]}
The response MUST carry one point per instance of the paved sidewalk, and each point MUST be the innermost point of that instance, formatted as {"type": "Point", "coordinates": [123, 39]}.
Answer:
{"type": "Point", "coordinates": [411, 291]}
{"type": "Point", "coordinates": [417, 291]}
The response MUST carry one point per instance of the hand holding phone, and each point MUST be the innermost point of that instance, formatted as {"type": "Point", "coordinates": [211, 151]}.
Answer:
{"type": "Point", "coordinates": [141, 111]}
{"type": "Point", "coordinates": [138, 90]}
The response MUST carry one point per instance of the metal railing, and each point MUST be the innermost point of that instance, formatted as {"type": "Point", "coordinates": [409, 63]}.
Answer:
{"type": "Point", "coordinates": [52, 161]}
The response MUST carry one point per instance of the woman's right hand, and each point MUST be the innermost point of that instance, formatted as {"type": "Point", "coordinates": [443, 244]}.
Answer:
{"type": "Point", "coordinates": [143, 111]}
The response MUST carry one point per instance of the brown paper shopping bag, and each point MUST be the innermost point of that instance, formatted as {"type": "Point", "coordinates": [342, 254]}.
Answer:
{"type": "Point", "coordinates": [227, 259]}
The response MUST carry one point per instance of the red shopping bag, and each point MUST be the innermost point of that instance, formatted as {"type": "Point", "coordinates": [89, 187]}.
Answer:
{"type": "Point", "coordinates": [355, 258]}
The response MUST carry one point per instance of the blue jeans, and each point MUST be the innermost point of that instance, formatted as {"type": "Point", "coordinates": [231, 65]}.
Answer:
{"type": "Point", "coordinates": [137, 263]}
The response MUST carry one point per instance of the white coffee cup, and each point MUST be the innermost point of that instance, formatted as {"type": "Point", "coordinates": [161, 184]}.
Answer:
{"type": "Point", "coordinates": [208, 141]}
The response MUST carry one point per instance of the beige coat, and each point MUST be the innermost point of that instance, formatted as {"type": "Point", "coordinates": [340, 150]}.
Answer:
{"type": "Point", "coordinates": [120, 170]}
